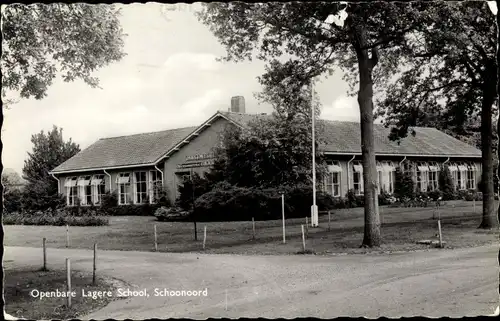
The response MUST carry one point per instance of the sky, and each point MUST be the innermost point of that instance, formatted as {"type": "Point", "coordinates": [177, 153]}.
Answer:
{"type": "Point", "coordinates": [168, 79]}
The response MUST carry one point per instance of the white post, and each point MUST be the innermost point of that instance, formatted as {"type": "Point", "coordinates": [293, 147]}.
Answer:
{"type": "Point", "coordinates": [67, 235]}
{"type": "Point", "coordinates": [314, 208]}
{"type": "Point", "coordinates": [440, 236]}
{"type": "Point", "coordinates": [156, 239]}
{"type": "Point", "coordinates": [303, 239]}
{"type": "Point", "coordinates": [283, 215]}
{"type": "Point", "coordinates": [44, 256]}
{"type": "Point", "coordinates": [95, 263]}
{"type": "Point", "coordinates": [329, 219]}
{"type": "Point", "coordinates": [204, 236]}
{"type": "Point", "coordinates": [253, 228]}
{"type": "Point", "coordinates": [474, 205]}
{"type": "Point", "coordinates": [68, 280]}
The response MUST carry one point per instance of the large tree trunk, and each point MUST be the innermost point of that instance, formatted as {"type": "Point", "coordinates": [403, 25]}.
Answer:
{"type": "Point", "coordinates": [490, 217]}
{"type": "Point", "coordinates": [365, 100]}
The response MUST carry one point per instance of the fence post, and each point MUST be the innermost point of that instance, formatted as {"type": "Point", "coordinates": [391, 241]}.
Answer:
{"type": "Point", "coordinates": [156, 239]}
{"type": "Point", "coordinates": [68, 277]}
{"type": "Point", "coordinates": [95, 262]}
{"type": "Point", "coordinates": [44, 255]}
{"type": "Point", "coordinates": [204, 236]}
{"type": "Point", "coordinates": [67, 235]}
{"type": "Point", "coordinates": [329, 219]}
{"type": "Point", "coordinates": [474, 205]}
{"type": "Point", "coordinates": [307, 226]}
{"type": "Point", "coordinates": [440, 236]}
{"type": "Point", "coordinates": [303, 239]}
{"type": "Point", "coordinates": [253, 228]}
{"type": "Point", "coordinates": [283, 215]}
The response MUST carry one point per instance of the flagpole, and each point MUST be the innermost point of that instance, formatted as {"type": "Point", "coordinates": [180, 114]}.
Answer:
{"type": "Point", "coordinates": [314, 208]}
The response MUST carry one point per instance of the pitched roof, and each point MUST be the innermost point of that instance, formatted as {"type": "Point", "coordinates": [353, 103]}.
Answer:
{"type": "Point", "coordinates": [125, 150]}
{"type": "Point", "coordinates": [345, 137]}
{"type": "Point", "coordinates": [340, 137]}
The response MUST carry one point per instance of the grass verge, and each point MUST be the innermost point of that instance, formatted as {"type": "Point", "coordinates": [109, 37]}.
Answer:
{"type": "Point", "coordinates": [20, 303]}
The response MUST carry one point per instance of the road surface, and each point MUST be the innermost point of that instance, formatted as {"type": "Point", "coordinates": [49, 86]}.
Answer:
{"type": "Point", "coordinates": [433, 283]}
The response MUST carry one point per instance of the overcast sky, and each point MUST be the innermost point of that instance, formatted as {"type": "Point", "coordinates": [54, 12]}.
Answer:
{"type": "Point", "coordinates": [168, 79]}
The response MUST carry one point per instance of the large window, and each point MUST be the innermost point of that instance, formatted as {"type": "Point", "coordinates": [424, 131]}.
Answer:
{"type": "Point", "coordinates": [155, 185]}
{"type": "Point", "coordinates": [433, 177]}
{"type": "Point", "coordinates": [422, 177]}
{"type": "Point", "coordinates": [471, 177]}
{"type": "Point", "coordinates": [331, 182]}
{"type": "Point", "coordinates": [85, 190]}
{"type": "Point", "coordinates": [462, 176]}
{"type": "Point", "coordinates": [141, 187]}
{"type": "Point", "coordinates": [71, 191]}
{"type": "Point", "coordinates": [357, 177]}
{"type": "Point", "coordinates": [391, 182]}
{"type": "Point", "coordinates": [98, 188]}
{"type": "Point", "coordinates": [123, 181]}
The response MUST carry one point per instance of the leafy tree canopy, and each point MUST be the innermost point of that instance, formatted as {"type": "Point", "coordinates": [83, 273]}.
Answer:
{"type": "Point", "coordinates": [42, 40]}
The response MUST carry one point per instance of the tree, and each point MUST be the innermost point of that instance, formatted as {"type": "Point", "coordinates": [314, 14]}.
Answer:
{"type": "Point", "coordinates": [307, 34]}
{"type": "Point", "coordinates": [403, 184]}
{"type": "Point", "coordinates": [270, 153]}
{"type": "Point", "coordinates": [445, 182]}
{"type": "Point", "coordinates": [450, 83]}
{"type": "Point", "coordinates": [49, 151]}
{"type": "Point", "coordinates": [11, 179]}
{"type": "Point", "coordinates": [42, 40]}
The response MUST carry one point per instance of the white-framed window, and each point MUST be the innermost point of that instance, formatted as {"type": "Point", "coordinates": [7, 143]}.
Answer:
{"type": "Point", "coordinates": [391, 177]}
{"type": "Point", "coordinates": [332, 184]}
{"type": "Point", "coordinates": [85, 190]}
{"type": "Point", "coordinates": [141, 187]}
{"type": "Point", "coordinates": [422, 177]}
{"type": "Point", "coordinates": [357, 178]}
{"type": "Point", "coordinates": [471, 176]}
{"type": "Point", "coordinates": [155, 185]}
{"type": "Point", "coordinates": [433, 177]}
{"type": "Point", "coordinates": [331, 181]}
{"type": "Point", "coordinates": [462, 176]}
{"type": "Point", "coordinates": [124, 195]}
{"type": "Point", "coordinates": [98, 188]}
{"type": "Point", "coordinates": [71, 190]}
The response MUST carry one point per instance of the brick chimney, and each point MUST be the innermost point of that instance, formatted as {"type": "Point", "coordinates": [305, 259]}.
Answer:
{"type": "Point", "coordinates": [238, 104]}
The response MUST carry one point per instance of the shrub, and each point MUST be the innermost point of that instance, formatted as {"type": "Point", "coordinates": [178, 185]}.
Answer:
{"type": "Point", "coordinates": [190, 190]}
{"type": "Point", "coordinates": [385, 198]}
{"type": "Point", "coordinates": [445, 182]}
{"type": "Point", "coordinates": [171, 214]}
{"type": "Point", "coordinates": [403, 184]}
{"type": "Point", "coordinates": [435, 194]}
{"type": "Point", "coordinates": [52, 217]}
{"type": "Point", "coordinates": [108, 201]}
{"type": "Point", "coordinates": [353, 200]}
{"type": "Point", "coordinates": [242, 203]}
{"type": "Point", "coordinates": [12, 200]}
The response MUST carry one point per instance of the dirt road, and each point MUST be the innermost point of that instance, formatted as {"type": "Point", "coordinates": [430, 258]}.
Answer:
{"type": "Point", "coordinates": [430, 283]}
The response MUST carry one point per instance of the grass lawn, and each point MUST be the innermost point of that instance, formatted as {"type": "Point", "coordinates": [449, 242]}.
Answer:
{"type": "Point", "coordinates": [20, 303]}
{"type": "Point", "coordinates": [401, 229]}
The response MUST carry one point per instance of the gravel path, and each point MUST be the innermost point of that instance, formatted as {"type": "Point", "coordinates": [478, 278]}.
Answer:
{"type": "Point", "coordinates": [435, 283]}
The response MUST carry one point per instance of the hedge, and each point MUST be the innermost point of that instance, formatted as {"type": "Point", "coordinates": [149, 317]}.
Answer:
{"type": "Point", "coordinates": [241, 204]}
{"type": "Point", "coordinates": [59, 217]}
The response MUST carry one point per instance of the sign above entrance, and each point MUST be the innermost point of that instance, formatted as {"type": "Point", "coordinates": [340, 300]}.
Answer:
{"type": "Point", "coordinates": [205, 163]}
{"type": "Point", "coordinates": [198, 160]}
{"type": "Point", "coordinates": [200, 156]}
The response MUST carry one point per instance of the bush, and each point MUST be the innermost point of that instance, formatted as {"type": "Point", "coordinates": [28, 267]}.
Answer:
{"type": "Point", "coordinates": [435, 194]}
{"type": "Point", "coordinates": [385, 198]}
{"type": "Point", "coordinates": [242, 203]}
{"type": "Point", "coordinates": [445, 182]}
{"type": "Point", "coordinates": [12, 200]}
{"type": "Point", "coordinates": [190, 190]}
{"type": "Point", "coordinates": [171, 214]}
{"type": "Point", "coordinates": [54, 218]}
{"type": "Point", "coordinates": [353, 200]}
{"type": "Point", "coordinates": [403, 184]}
